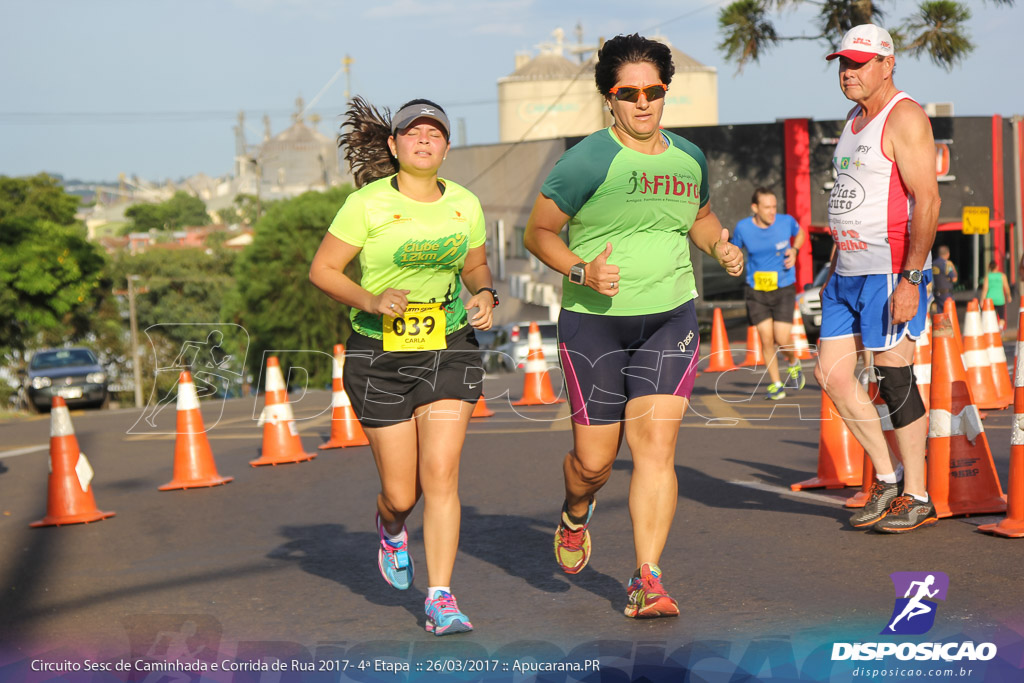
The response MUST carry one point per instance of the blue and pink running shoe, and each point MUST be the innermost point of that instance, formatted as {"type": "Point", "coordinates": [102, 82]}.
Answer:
{"type": "Point", "coordinates": [443, 615]}
{"type": "Point", "coordinates": [393, 559]}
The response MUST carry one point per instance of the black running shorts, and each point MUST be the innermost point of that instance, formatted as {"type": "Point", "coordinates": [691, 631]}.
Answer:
{"type": "Point", "coordinates": [609, 359]}
{"type": "Point", "coordinates": [777, 305]}
{"type": "Point", "coordinates": [386, 387]}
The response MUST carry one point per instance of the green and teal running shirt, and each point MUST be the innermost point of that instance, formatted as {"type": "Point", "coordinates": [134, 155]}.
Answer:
{"type": "Point", "coordinates": [406, 244]}
{"type": "Point", "coordinates": [644, 204]}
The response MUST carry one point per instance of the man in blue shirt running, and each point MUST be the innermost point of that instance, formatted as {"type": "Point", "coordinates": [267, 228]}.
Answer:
{"type": "Point", "coordinates": [772, 241]}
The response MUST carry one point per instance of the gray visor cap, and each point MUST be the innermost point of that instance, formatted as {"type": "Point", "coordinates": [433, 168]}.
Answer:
{"type": "Point", "coordinates": [406, 115]}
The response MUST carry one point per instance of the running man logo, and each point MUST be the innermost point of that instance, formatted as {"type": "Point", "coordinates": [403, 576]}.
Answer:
{"type": "Point", "coordinates": [676, 184]}
{"type": "Point", "coordinates": [914, 611]}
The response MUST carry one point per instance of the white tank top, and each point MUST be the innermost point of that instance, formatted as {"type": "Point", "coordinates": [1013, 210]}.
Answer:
{"type": "Point", "coordinates": [869, 209]}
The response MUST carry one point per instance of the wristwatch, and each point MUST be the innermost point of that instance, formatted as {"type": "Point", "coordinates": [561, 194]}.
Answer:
{"type": "Point", "coordinates": [578, 273]}
{"type": "Point", "coordinates": [494, 294]}
{"type": "Point", "coordinates": [914, 277]}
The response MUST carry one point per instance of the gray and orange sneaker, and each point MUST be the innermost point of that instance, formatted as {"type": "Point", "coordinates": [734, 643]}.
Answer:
{"type": "Point", "coordinates": [572, 542]}
{"type": "Point", "coordinates": [906, 513]}
{"type": "Point", "coordinates": [877, 507]}
{"type": "Point", "coordinates": [647, 598]}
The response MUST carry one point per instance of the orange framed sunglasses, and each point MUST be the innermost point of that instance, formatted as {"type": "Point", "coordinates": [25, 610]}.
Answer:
{"type": "Point", "coordinates": [631, 93]}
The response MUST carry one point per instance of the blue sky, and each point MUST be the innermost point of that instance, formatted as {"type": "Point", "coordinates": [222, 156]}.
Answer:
{"type": "Point", "coordinates": [94, 88]}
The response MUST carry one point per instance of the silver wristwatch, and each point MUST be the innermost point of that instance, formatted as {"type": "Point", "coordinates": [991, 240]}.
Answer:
{"type": "Point", "coordinates": [914, 277]}
{"type": "Point", "coordinates": [578, 273]}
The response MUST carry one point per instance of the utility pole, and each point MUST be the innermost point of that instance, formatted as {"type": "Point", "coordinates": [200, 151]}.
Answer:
{"type": "Point", "coordinates": [345, 63]}
{"type": "Point", "coordinates": [135, 340]}
{"type": "Point", "coordinates": [1018, 249]}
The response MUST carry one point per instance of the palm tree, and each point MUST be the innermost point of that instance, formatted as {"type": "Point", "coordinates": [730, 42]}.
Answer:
{"type": "Point", "coordinates": [937, 30]}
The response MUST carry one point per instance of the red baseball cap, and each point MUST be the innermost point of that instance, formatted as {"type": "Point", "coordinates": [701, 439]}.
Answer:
{"type": "Point", "coordinates": [863, 42]}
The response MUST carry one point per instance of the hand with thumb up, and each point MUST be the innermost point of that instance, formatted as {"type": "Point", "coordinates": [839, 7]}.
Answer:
{"type": "Point", "coordinates": [728, 255]}
{"type": "Point", "coordinates": [603, 277]}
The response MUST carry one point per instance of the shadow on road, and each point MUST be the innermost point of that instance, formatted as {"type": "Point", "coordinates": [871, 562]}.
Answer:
{"type": "Point", "coordinates": [520, 546]}
{"type": "Point", "coordinates": [332, 552]}
{"type": "Point", "coordinates": [523, 547]}
{"type": "Point", "coordinates": [716, 493]}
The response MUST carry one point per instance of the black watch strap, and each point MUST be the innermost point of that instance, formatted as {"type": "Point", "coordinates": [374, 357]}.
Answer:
{"type": "Point", "coordinates": [494, 294]}
{"type": "Point", "coordinates": [913, 276]}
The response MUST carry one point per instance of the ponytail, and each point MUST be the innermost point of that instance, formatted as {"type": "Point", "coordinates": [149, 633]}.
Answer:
{"type": "Point", "coordinates": [366, 142]}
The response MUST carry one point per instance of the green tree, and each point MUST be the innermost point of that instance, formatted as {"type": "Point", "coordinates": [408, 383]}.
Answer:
{"type": "Point", "coordinates": [250, 208]}
{"type": "Point", "coordinates": [52, 278]}
{"type": "Point", "coordinates": [183, 210]}
{"type": "Point", "coordinates": [274, 300]}
{"type": "Point", "coordinates": [938, 29]}
{"type": "Point", "coordinates": [178, 290]}
{"type": "Point", "coordinates": [179, 211]}
{"type": "Point", "coordinates": [145, 217]}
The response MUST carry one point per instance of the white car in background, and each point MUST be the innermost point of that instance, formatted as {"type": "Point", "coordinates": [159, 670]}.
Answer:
{"type": "Point", "coordinates": [511, 344]}
{"type": "Point", "coordinates": [809, 303]}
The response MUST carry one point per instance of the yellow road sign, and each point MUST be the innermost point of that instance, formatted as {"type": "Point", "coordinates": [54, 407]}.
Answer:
{"type": "Point", "coordinates": [975, 220]}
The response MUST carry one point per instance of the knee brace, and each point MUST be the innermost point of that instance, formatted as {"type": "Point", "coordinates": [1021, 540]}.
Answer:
{"type": "Point", "coordinates": [898, 388]}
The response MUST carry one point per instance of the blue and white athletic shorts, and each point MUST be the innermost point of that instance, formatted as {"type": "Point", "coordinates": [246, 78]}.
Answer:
{"type": "Point", "coordinates": [859, 305]}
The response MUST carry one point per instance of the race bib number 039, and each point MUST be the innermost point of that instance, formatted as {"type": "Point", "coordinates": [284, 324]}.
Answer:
{"type": "Point", "coordinates": [421, 328]}
{"type": "Point", "coordinates": [766, 280]}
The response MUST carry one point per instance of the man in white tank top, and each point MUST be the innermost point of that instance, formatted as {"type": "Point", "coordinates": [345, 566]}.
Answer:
{"type": "Point", "coordinates": [883, 211]}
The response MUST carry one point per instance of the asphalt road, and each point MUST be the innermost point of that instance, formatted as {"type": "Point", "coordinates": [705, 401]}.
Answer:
{"type": "Point", "coordinates": [280, 564]}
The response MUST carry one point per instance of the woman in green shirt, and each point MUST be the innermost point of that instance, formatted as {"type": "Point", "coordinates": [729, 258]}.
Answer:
{"type": "Point", "coordinates": [412, 355]}
{"type": "Point", "coordinates": [635, 198]}
{"type": "Point", "coordinates": [997, 288]}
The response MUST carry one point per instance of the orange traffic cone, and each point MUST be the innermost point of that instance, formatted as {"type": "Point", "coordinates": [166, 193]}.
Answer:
{"type": "Point", "coordinates": [949, 308]}
{"type": "Point", "coordinates": [839, 453]}
{"type": "Point", "coordinates": [996, 355]}
{"type": "Point", "coordinates": [961, 475]}
{"type": "Point", "coordinates": [69, 491]}
{"type": "Point", "coordinates": [193, 460]}
{"type": "Point", "coordinates": [860, 499]}
{"type": "Point", "coordinates": [923, 363]}
{"type": "Point", "coordinates": [720, 359]}
{"type": "Point", "coordinates": [537, 385]}
{"type": "Point", "coordinates": [481, 409]}
{"type": "Point", "coordinates": [345, 428]}
{"type": "Point", "coordinates": [979, 368]}
{"type": "Point", "coordinates": [800, 343]}
{"type": "Point", "coordinates": [755, 355]}
{"type": "Point", "coordinates": [1013, 525]}
{"type": "Point", "coordinates": [281, 443]}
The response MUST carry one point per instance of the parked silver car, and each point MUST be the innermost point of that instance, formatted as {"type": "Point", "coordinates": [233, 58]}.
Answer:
{"type": "Point", "coordinates": [73, 374]}
{"type": "Point", "coordinates": [511, 345]}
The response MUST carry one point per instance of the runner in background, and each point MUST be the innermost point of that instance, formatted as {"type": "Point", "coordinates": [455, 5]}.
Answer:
{"type": "Point", "coordinates": [772, 241]}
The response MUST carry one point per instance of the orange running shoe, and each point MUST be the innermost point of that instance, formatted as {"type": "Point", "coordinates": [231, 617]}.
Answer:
{"type": "Point", "coordinates": [647, 597]}
{"type": "Point", "coordinates": [572, 543]}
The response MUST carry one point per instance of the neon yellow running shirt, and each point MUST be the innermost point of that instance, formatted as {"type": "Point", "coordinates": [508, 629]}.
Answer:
{"type": "Point", "coordinates": [644, 204]}
{"type": "Point", "coordinates": [406, 244]}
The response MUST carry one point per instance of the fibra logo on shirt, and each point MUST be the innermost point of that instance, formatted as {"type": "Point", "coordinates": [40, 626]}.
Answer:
{"type": "Point", "coordinates": [675, 185]}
